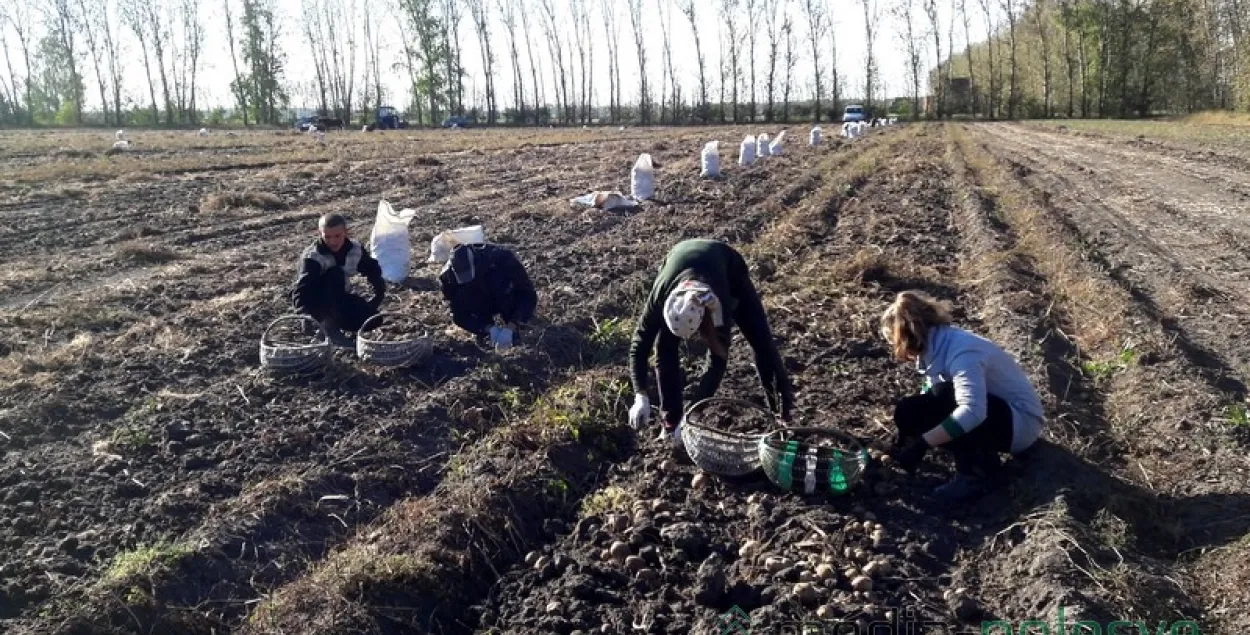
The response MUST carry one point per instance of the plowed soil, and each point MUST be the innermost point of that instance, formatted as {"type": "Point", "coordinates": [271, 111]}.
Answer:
{"type": "Point", "coordinates": [156, 480]}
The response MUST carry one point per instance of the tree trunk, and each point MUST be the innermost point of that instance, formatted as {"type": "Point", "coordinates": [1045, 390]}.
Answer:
{"type": "Point", "coordinates": [635, 19]}
{"type": "Point", "coordinates": [1043, 34]}
{"type": "Point", "coordinates": [992, 99]}
{"type": "Point", "coordinates": [787, 28]}
{"type": "Point", "coordinates": [871, 18]}
{"type": "Point", "coordinates": [689, 9]}
{"type": "Point", "coordinates": [972, 75]}
{"type": "Point", "coordinates": [816, 26]}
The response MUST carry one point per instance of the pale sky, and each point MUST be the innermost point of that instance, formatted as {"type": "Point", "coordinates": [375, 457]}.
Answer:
{"type": "Point", "coordinates": [848, 21]}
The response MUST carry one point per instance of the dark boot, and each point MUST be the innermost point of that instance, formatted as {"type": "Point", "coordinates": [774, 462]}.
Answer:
{"type": "Point", "coordinates": [974, 477]}
{"type": "Point", "coordinates": [336, 335]}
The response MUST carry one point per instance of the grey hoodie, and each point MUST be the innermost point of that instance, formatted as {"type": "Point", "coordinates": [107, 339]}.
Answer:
{"type": "Point", "coordinates": [979, 367]}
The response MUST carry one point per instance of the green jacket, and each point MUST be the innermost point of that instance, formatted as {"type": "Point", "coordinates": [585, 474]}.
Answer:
{"type": "Point", "coordinates": [721, 267]}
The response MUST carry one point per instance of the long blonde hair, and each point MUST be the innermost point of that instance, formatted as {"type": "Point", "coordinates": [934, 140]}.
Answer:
{"type": "Point", "coordinates": [908, 320]}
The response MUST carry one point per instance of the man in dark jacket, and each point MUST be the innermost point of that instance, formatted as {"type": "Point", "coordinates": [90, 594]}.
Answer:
{"type": "Point", "coordinates": [703, 288]}
{"type": "Point", "coordinates": [482, 281]}
{"type": "Point", "coordinates": [323, 288]}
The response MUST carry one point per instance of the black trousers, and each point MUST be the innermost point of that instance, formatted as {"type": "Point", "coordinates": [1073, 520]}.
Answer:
{"type": "Point", "coordinates": [917, 414]}
{"type": "Point", "coordinates": [332, 301]}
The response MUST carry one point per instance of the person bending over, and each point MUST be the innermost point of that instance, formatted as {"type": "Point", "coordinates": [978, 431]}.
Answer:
{"type": "Point", "coordinates": [323, 288]}
{"type": "Point", "coordinates": [977, 401]}
{"type": "Point", "coordinates": [703, 288]}
{"type": "Point", "coordinates": [485, 281]}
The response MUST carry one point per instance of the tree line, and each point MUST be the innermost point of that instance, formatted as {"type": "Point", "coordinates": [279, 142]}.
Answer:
{"type": "Point", "coordinates": [1095, 58]}
{"type": "Point", "coordinates": [774, 59]}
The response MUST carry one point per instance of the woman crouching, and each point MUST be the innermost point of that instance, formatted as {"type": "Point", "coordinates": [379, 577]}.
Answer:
{"type": "Point", "coordinates": [977, 400]}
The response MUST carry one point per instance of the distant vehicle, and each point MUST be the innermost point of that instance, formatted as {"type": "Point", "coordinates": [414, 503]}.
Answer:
{"type": "Point", "coordinates": [854, 113]}
{"type": "Point", "coordinates": [388, 118]}
{"type": "Point", "coordinates": [457, 121]}
{"type": "Point", "coordinates": [322, 123]}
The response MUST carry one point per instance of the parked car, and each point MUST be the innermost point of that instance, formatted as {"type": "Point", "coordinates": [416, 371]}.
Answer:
{"type": "Point", "coordinates": [322, 122]}
{"type": "Point", "coordinates": [854, 113]}
{"type": "Point", "coordinates": [457, 121]}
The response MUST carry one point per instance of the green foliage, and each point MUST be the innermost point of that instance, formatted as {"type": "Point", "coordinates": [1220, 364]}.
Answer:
{"type": "Point", "coordinates": [1239, 415]}
{"type": "Point", "coordinates": [142, 561]}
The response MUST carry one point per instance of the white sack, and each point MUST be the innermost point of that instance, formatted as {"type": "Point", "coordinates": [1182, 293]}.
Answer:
{"type": "Point", "coordinates": [761, 145]}
{"type": "Point", "coordinates": [775, 147]}
{"type": "Point", "coordinates": [642, 178]}
{"type": "Point", "coordinates": [389, 241]}
{"type": "Point", "coordinates": [746, 152]}
{"type": "Point", "coordinates": [711, 160]}
{"type": "Point", "coordinates": [814, 138]}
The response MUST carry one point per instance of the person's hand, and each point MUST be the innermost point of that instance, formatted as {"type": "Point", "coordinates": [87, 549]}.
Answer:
{"type": "Point", "coordinates": [640, 412]}
{"type": "Point", "coordinates": [909, 459]}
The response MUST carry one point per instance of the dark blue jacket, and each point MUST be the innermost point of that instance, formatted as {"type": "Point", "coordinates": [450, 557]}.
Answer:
{"type": "Point", "coordinates": [482, 281]}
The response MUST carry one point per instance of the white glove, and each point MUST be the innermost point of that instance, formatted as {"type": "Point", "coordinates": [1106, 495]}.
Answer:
{"type": "Point", "coordinates": [501, 337]}
{"type": "Point", "coordinates": [640, 413]}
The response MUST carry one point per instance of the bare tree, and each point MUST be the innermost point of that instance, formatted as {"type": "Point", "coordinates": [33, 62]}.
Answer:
{"type": "Point", "coordinates": [987, 8]}
{"type": "Point", "coordinates": [729, 14]}
{"type": "Point", "coordinates": [61, 16]}
{"type": "Point", "coordinates": [479, 12]}
{"type": "Point", "coordinates": [872, 15]}
{"type": "Point", "coordinates": [935, 27]}
{"type": "Point", "coordinates": [614, 54]}
{"type": "Point", "coordinates": [688, 8]}
{"type": "Point", "coordinates": [507, 15]}
{"type": "Point", "coordinates": [88, 19]}
{"type": "Point", "coordinates": [904, 12]}
{"type": "Point", "coordinates": [787, 30]}
{"type": "Point", "coordinates": [1041, 20]}
{"type": "Point", "coordinates": [1013, 98]}
{"type": "Point", "coordinates": [772, 19]}
{"type": "Point", "coordinates": [540, 96]}
{"type": "Point", "coordinates": [551, 27]}
{"type": "Point", "coordinates": [240, 94]}
{"type": "Point", "coordinates": [373, 65]}
{"type": "Point", "coordinates": [670, 76]}
{"type": "Point", "coordinates": [585, 55]}
{"type": "Point", "coordinates": [723, 68]}
{"type": "Point", "coordinates": [17, 13]}
{"type": "Point", "coordinates": [1069, 55]}
{"type": "Point", "coordinates": [835, 79]}
{"type": "Point", "coordinates": [752, 13]}
{"type": "Point", "coordinates": [635, 20]}
{"type": "Point", "coordinates": [450, 51]}
{"type": "Point", "coordinates": [817, 25]}
{"type": "Point", "coordinates": [972, 74]}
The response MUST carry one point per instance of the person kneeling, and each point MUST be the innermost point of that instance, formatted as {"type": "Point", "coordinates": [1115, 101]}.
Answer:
{"type": "Point", "coordinates": [482, 281]}
{"type": "Point", "coordinates": [977, 403]}
{"type": "Point", "coordinates": [323, 289]}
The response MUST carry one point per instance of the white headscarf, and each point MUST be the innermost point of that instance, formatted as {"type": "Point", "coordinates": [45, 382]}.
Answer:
{"type": "Point", "coordinates": [684, 307]}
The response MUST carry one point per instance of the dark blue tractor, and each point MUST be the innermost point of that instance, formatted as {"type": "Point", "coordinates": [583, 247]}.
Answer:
{"type": "Point", "coordinates": [388, 118]}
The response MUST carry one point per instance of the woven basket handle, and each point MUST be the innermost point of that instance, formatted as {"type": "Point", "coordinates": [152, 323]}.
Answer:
{"type": "Point", "coordinates": [371, 319]}
{"type": "Point", "coordinates": [740, 402]}
{"type": "Point", "coordinates": [264, 337]}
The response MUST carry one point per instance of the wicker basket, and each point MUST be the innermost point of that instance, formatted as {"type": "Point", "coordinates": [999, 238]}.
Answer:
{"type": "Point", "coordinates": [285, 358]}
{"type": "Point", "coordinates": [718, 451]}
{"type": "Point", "coordinates": [804, 466]}
{"type": "Point", "coordinates": [391, 353]}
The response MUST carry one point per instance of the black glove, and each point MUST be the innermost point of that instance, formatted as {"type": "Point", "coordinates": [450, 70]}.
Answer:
{"type": "Point", "coordinates": [376, 302]}
{"type": "Point", "coordinates": [909, 459]}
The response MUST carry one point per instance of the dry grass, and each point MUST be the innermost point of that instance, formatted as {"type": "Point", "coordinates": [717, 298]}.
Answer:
{"type": "Point", "coordinates": [1225, 133]}
{"type": "Point", "coordinates": [139, 251]}
{"type": "Point", "coordinates": [222, 201]}
{"type": "Point", "coordinates": [1096, 307]}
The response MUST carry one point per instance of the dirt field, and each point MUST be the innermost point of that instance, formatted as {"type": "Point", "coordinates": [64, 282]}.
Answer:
{"type": "Point", "coordinates": [154, 480]}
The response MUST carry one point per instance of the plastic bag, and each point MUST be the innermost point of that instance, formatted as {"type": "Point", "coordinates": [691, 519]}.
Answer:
{"type": "Point", "coordinates": [445, 242]}
{"type": "Point", "coordinates": [775, 147]}
{"type": "Point", "coordinates": [642, 178]}
{"type": "Point", "coordinates": [746, 152]}
{"type": "Point", "coordinates": [761, 145]}
{"type": "Point", "coordinates": [604, 200]}
{"type": "Point", "coordinates": [711, 160]}
{"type": "Point", "coordinates": [389, 241]}
{"type": "Point", "coordinates": [814, 139]}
